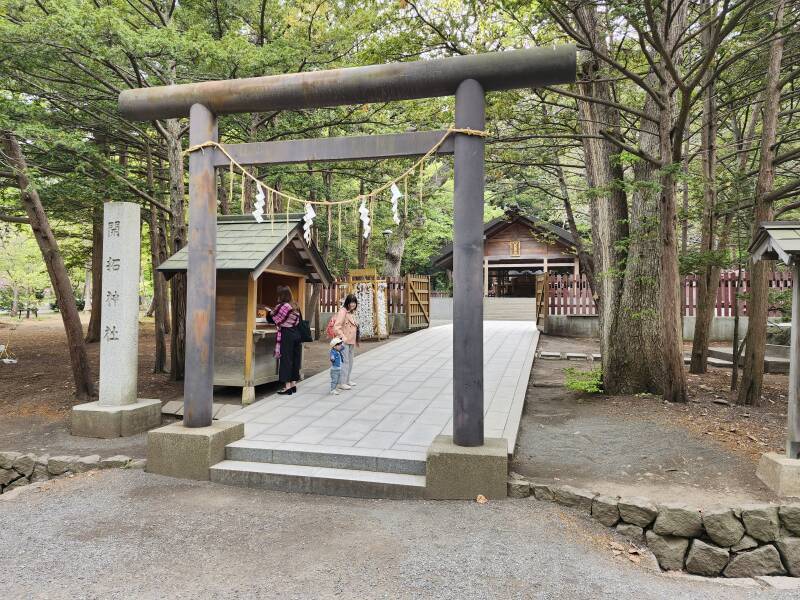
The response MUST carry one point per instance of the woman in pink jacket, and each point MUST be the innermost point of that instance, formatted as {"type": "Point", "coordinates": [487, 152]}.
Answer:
{"type": "Point", "coordinates": [345, 327]}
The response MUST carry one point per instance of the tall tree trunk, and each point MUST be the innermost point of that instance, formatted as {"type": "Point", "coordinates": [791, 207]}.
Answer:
{"type": "Point", "coordinates": [608, 202]}
{"type": "Point", "coordinates": [163, 253]}
{"type": "Point", "coordinates": [178, 235]}
{"type": "Point", "coordinates": [59, 278]}
{"type": "Point", "coordinates": [223, 191]}
{"type": "Point", "coordinates": [708, 281]}
{"type": "Point", "coordinates": [673, 383]}
{"type": "Point", "coordinates": [685, 220]}
{"type": "Point", "coordinates": [674, 379]}
{"type": "Point", "coordinates": [93, 331]}
{"type": "Point", "coordinates": [635, 361]}
{"type": "Point", "coordinates": [159, 284]}
{"type": "Point", "coordinates": [14, 300]}
{"type": "Point", "coordinates": [395, 247]}
{"type": "Point", "coordinates": [758, 305]}
{"type": "Point", "coordinates": [584, 259]}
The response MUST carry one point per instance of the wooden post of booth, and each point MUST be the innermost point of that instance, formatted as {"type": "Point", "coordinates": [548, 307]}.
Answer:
{"type": "Point", "coordinates": [249, 389]}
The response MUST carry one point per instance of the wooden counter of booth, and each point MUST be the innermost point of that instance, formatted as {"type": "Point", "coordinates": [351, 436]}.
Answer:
{"type": "Point", "coordinates": [253, 259]}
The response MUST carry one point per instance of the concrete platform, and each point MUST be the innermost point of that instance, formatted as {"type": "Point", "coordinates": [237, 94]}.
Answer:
{"type": "Point", "coordinates": [189, 452]}
{"type": "Point", "coordinates": [780, 474]}
{"type": "Point", "coordinates": [384, 425]}
{"type": "Point", "coordinates": [97, 421]}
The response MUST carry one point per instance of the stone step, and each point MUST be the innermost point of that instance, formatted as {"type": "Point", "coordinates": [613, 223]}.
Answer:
{"type": "Point", "coordinates": [388, 461]}
{"type": "Point", "coordinates": [318, 480]}
{"type": "Point", "coordinates": [712, 361]}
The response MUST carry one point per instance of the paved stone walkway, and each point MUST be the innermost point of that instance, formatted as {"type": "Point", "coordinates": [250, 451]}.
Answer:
{"type": "Point", "coordinates": [403, 397]}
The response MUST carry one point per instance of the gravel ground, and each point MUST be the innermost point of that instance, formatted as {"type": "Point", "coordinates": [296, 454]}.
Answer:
{"type": "Point", "coordinates": [129, 534]}
{"type": "Point", "coordinates": [626, 445]}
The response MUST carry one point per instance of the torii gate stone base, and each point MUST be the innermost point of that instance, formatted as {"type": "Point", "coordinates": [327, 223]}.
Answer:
{"type": "Point", "coordinates": [458, 466]}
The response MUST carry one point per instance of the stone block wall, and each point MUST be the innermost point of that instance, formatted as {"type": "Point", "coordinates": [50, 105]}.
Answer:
{"type": "Point", "coordinates": [742, 541]}
{"type": "Point", "coordinates": [18, 469]}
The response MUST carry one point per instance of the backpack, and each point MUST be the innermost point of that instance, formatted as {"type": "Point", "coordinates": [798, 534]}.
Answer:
{"type": "Point", "coordinates": [329, 329]}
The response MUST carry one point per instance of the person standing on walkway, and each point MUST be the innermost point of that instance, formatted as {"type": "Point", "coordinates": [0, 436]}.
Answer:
{"type": "Point", "coordinates": [346, 328]}
{"type": "Point", "coordinates": [336, 364]}
{"type": "Point", "coordinates": [288, 347]}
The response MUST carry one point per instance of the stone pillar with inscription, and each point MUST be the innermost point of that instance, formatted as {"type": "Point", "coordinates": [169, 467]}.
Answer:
{"type": "Point", "coordinates": [119, 412]}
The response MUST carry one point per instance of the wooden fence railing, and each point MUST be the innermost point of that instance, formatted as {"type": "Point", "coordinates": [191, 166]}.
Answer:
{"type": "Point", "coordinates": [331, 298]}
{"type": "Point", "coordinates": [568, 297]}
{"type": "Point", "coordinates": [726, 293]}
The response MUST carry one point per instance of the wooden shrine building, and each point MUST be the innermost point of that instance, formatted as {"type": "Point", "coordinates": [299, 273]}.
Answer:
{"type": "Point", "coordinates": [517, 248]}
{"type": "Point", "coordinates": [253, 259]}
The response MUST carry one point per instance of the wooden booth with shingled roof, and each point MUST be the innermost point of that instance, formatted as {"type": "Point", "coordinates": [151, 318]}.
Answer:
{"type": "Point", "coordinates": [252, 260]}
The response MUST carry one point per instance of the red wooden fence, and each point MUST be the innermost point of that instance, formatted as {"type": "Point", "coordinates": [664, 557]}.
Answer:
{"type": "Point", "coordinates": [568, 297]}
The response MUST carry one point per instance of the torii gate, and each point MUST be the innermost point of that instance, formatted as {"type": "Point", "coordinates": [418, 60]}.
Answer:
{"type": "Point", "coordinates": [466, 77]}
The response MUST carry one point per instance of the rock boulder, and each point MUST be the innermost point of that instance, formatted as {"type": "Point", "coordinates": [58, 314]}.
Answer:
{"type": "Point", "coordinates": [604, 509]}
{"type": "Point", "coordinates": [7, 459]}
{"type": "Point", "coordinates": [566, 495]}
{"type": "Point", "coordinates": [723, 527]}
{"type": "Point", "coordinates": [706, 559]}
{"type": "Point", "coordinates": [58, 465]}
{"type": "Point", "coordinates": [24, 464]}
{"type": "Point", "coordinates": [637, 511]}
{"type": "Point", "coordinates": [789, 549]}
{"type": "Point", "coordinates": [761, 561]}
{"type": "Point", "coordinates": [678, 520]}
{"type": "Point", "coordinates": [668, 550]}
{"type": "Point", "coordinates": [762, 522]}
{"type": "Point", "coordinates": [632, 532]}
{"type": "Point", "coordinates": [790, 517]}
{"type": "Point", "coordinates": [542, 492]}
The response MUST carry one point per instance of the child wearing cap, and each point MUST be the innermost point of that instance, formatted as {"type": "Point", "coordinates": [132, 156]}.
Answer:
{"type": "Point", "coordinates": [336, 364]}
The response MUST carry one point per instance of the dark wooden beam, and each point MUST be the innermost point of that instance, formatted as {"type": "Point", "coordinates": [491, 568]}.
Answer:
{"type": "Point", "coordinates": [371, 147]}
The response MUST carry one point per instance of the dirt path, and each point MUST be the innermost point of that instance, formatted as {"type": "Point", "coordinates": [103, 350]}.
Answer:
{"type": "Point", "coordinates": [37, 393]}
{"type": "Point", "coordinates": [701, 452]}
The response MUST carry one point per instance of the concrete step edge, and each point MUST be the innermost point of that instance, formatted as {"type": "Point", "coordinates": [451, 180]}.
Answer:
{"type": "Point", "coordinates": [250, 451]}
{"type": "Point", "coordinates": [318, 480]}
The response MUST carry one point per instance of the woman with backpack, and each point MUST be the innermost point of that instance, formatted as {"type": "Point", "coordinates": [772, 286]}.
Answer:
{"type": "Point", "coordinates": [288, 343]}
{"type": "Point", "coordinates": [346, 328]}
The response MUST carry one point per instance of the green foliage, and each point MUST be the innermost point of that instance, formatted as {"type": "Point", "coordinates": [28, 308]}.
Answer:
{"type": "Point", "coordinates": [695, 262]}
{"type": "Point", "coordinates": [21, 269]}
{"type": "Point", "coordinates": [590, 382]}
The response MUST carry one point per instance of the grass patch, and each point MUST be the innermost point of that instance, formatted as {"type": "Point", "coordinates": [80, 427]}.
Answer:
{"type": "Point", "coordinates": [589, 382]}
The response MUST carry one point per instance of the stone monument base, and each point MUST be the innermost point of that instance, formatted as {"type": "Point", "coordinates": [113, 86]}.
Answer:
{"type": "Point", "coordinates": [189, 452]}
{"type": "Point", "coordinates": [462, 472]}
{"type": "Point", "coordinates": [780, 473]}
{"type": "Point", "coordinates": [93, 420]}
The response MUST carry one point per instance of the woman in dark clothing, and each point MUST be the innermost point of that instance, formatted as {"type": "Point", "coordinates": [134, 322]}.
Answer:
{"type": "Point", "coordinates": [288, 347]}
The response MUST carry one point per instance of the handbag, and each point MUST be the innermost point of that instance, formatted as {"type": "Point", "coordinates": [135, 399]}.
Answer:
{"type": "Point", "coordinates": [304, 327]}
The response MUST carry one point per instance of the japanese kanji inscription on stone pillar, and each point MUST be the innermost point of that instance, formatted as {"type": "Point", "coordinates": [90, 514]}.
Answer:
{"type": "Point", "coordinates": [119, 344]}
{"type": "Point", "coordinates": [118, 412]}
